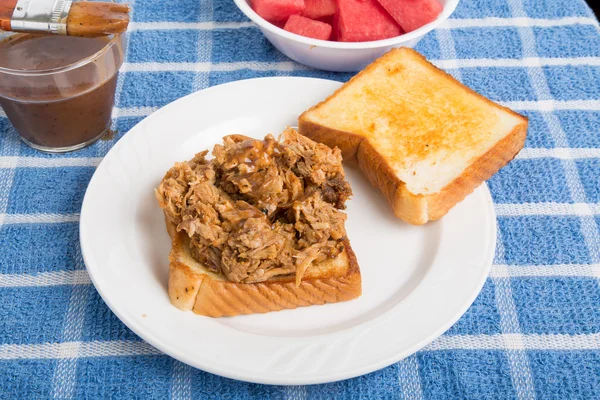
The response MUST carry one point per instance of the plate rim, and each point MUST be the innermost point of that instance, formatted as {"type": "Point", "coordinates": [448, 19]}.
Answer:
{"type": "Point", "coordinates": [149, 337]}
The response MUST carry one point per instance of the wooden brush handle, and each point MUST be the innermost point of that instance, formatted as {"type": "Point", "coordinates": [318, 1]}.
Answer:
{"type": "Point", "coordinates": [84, 18]}
{"type": "Point", "coordinates": [7, 7]}
{"type": "Point", "coordinates": [90, 19]}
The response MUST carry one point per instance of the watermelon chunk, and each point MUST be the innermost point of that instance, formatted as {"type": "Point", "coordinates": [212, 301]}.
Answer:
{"type": "Point", "coordinates": [308, 27]}
{"type": "Point", "coordinates": [363, 21]}
{"type": "Point", "coordinates": [277, 10]}
{"type": "Point", "coordinates": [412, 14]}
{"type": "Point", "coordinates": [316, 9]}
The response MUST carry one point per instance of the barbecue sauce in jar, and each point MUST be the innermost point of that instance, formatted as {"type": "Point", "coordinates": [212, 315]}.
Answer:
{"type": "Point", "coordinates": [58, 91]}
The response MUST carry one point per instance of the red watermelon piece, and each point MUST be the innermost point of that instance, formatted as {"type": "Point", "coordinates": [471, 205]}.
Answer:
{"type": "Point", "coordinates": [277, 10]}
{"type": "Point", "coordinates": [412, 14]}
{"type": "Point", "coordinates": [308, 27]}
{"type": "Point", "coordinates": [327, 20]}
{"type": "Point", "coordinates": [317, 9]}
{"type": "Point", "coordinates": [364, 21]}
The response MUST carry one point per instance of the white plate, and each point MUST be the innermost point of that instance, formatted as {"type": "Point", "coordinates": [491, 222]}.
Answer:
{"type": "Point", "coordinates": [417, 281]}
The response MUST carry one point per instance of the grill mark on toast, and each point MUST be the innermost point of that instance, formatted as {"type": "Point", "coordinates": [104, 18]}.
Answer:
{"type": "Point", "coordinates": [333, 290]}
{"type": "Point", "coordinates": [315, 293]}
{"type": "Point", "coordinates": [232, 304]}
{"type": "Point", "coordinates": [305, 293]}
{"type": "Point", "coordinates": [330, 287]}
{"type": "Point", "coordinates": [254, 300]}
{"type": "Point", "coordinates": [295, 294]}
{"type": "Point", "coordinates": [299, 294]}
{"type": "Point", "coordinates": [287, 296]}
{"type": "Point", "coordinates": [271, 295]}
{"type": "Point", "coordinates": [209, 306]}
{"type": "Point", "coordinates": [240, 297]}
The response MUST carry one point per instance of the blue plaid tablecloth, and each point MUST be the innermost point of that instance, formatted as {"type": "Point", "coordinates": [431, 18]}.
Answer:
{"type": "Point", "coordinates": [533, 332]}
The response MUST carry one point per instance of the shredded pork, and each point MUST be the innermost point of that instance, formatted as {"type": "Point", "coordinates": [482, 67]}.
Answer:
{"type": "Point", "coordinates": [260, 208]}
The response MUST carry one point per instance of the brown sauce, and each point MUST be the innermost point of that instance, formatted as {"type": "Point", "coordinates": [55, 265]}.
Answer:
{"type": "Point", "coordinates": [63, 109]}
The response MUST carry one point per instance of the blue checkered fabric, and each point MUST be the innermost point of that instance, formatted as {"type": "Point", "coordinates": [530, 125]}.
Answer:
{"type": "Point", "coordinates": [533, 332]}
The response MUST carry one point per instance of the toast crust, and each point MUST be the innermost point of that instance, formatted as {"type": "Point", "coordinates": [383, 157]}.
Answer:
{"type": "Point", "coordinates": [479, 171]}
{"type": "Point", "coordinates": [191, 287]}
{"type": "Point", "coordinates": [413, 208]}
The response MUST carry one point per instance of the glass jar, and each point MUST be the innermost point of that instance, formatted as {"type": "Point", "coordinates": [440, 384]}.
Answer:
{"type": "Point", "coordinates": [60, 95]}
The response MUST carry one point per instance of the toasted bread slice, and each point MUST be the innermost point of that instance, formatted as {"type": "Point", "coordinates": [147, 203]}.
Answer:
{"type": "Point", "coordinates": [193, 287]}
{"type": "Point", "coordinates": [422, 137]}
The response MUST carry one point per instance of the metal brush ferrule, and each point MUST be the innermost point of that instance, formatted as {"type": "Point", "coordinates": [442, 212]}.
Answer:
{"type": "Point", "coordinates": [41, 16]}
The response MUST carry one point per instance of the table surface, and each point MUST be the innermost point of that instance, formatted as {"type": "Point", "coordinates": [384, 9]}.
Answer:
{"type": "Point", "coordinates": [533, 332]}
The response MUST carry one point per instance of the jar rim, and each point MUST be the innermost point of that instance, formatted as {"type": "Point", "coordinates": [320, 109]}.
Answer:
{"type": "Point", "coordinates": [64, 68]}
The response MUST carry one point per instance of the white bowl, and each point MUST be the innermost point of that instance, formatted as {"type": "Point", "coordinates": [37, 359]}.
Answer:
{"type": "Point", "coordinates": [338, 56]}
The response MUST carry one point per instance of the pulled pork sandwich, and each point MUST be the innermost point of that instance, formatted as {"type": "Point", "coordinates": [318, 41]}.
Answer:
{"type": "Point", "coordinates": [260, 211]}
